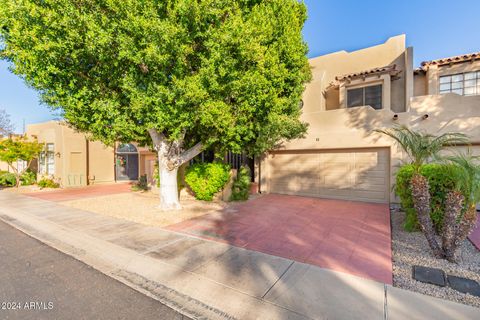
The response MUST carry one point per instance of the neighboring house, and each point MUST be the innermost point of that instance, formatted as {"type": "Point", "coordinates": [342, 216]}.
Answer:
{"type": "Point", "coordinates": [75, 161]}
{"type": "Point", "coordinates": [354, 93]}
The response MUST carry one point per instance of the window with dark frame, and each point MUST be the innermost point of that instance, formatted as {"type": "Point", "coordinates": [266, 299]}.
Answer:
{"type": "Point", "coordinates": [466, 84]}
{"type": "Point", "coordinates": [46, 160]}
{"type": "Point", "coordinates": [365, 96]}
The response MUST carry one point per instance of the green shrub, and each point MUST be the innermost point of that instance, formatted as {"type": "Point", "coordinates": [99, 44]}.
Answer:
{"type": "Point", "coordinates": [141, 185]}
{"type": "Point", "coordinates": [48, 183]}
{"type": "Point", "coordinates": [28, 178]}
{"type": "Point", "coordinates": [7, 179]}
{"type": "Point", "coordinates": [206, 179]}
{"type": "Point", "coordinates": [441, 178]}
{"type": "Point", "coordinates": [241, 185]}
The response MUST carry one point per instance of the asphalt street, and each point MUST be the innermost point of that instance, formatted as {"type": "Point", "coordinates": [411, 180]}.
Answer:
{"type": "Point", "coordinates": [39, 282]}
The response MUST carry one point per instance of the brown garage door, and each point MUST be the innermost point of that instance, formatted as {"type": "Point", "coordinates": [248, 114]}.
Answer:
{"type": "Point", "coordinates": [351, 174]}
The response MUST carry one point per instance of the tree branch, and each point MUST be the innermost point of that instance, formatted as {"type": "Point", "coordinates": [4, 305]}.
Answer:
{"type": "Point", "coordinates": [190, 153]}
{"type": "Point", "coordinates": [157, 138]}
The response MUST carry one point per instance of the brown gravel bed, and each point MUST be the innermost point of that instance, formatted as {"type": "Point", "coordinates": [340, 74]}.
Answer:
{"type": "Point", "coordinates": [411, 248]}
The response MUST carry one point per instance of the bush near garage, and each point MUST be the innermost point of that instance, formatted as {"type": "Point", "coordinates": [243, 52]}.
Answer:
{"type": "Point", "coordinates": [206, 179]}
{"type": "Point", "coordinates": [48, 183]}
{"type": "Point", "coordinates": [441, 179]}
{"type": "Point", "coordinates": [241, 185]}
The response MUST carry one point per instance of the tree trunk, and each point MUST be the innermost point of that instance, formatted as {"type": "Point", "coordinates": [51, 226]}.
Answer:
{"type": "Point", "coordinates": [421, 203]}
{"type": "Point", "coordinates": [16, 173]}
{"type": "Point", "coordinates": [453, 210]}
{"type": "Point", "coordinates": [170, 157]}
{"type": "Point", "coordinates": [467, 224]}
{"type": "Point", "coordinates": [168, 187]}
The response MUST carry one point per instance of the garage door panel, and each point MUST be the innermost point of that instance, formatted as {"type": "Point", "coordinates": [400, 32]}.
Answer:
{"type": "Point", "coordinates": [353, 174]}
{"type": "Point", "coordinates": [369, 195]}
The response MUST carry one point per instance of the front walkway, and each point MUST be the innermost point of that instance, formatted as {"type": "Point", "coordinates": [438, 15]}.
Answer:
{"type": "Point", "coordinates": [346, 236]}
{"type": "Point", "coordinates": [207, 279]}
{"type": "Point", "coordinates": [68, 194]}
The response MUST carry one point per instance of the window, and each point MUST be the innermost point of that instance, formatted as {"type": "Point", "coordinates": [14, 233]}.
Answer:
{"type": "Point", "coordinates": [365, 96]}
{"type": "Point", "coordinates": [46, 160]}
{"type": "Point", "coordinates": [467, 84]}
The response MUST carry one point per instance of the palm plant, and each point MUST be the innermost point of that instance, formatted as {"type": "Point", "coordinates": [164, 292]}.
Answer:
{"type": "Point", "coordinates": [460, 207]}
{"type": "Point", "coordinates": [420, 148]}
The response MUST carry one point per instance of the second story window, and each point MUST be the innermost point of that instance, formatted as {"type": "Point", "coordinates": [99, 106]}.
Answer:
{"type": "Point", "coordinates": [365, 96]}
{"type": "Point", "coordinates": [467, 84]}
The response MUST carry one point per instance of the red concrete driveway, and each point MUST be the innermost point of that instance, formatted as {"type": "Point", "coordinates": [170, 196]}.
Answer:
{"type": "Point", "coordinates": [346, 236]}
{"type": "Point", "coordinates": [82, 192]}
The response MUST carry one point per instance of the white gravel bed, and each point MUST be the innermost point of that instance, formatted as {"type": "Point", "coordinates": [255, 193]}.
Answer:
{"type": "Point", "coordinates": [411, 248]}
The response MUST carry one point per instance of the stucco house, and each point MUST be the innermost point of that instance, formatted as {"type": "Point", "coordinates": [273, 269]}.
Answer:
{"type": "Point", "coordinates": [354, 93]}
{"type": "Point", "coordinates": [341, 157]}
{"type": "Point", "coordinates": [75, 161]}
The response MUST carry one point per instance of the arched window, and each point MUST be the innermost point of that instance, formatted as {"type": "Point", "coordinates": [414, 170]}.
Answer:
{"type": "Point", "coordinates": [127, 148]}
{"type": "Point", "coordinates": [126, 162]}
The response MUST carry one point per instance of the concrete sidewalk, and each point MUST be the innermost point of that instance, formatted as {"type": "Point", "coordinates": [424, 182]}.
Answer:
{"type": "Point", "coordinates": [210, 280]}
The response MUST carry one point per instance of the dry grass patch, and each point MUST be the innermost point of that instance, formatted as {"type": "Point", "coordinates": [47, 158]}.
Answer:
{"type": "Point", "coordinates": [26, 189]}
{"type": "Point", "coordinates": [142, 207]}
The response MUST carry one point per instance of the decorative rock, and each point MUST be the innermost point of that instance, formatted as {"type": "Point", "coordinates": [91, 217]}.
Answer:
{"type": "Point", "coordinates": [464, 285]}
{"type": "Point", "coordinates": [429, 275]}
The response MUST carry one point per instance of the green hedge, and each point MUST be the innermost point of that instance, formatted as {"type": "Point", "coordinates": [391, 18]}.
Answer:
{"type": "Point", "coordinates": [241, 185]}
{"type": "Point", "coordinates": [28, 178]}
{"type": "Point", "coordinates": [206, 179]}
{"type": "Point", "coordinates": [48, 183]}
{"type": "Point", "coordinates": [441, 178]}
{"type": "Point", "coordinates": [7, 179]}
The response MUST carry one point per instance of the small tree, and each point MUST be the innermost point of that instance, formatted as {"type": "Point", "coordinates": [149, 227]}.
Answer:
{"type": "Point", "coordinates": [19, 149]}
{"type": "Point", "coordinates": [6, 126]}
{"type": "Point", "coordinates": [179, 75]}
{"type": "Point", "coordinates": [460, 207]}
{"type": "Point", "coordinates": [421, 147]}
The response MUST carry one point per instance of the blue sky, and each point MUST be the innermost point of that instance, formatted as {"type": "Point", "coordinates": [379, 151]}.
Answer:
{"type": "Point", "coordinates": [435, 28]}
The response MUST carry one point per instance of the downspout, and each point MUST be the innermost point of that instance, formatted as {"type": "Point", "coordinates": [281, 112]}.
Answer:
{"type": "Point", "coordinates": [87, 152]}
{"type": "Point", "coordinates": [260, 174]}
{"type": "Point", "coordinates": [115, 162]}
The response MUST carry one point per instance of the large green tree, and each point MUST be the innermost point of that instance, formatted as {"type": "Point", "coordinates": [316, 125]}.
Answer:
{"type": "Point", "coordinates": [179, 75]}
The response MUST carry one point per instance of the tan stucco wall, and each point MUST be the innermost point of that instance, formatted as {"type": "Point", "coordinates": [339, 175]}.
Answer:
{"type": "Point", "coordinates": [69, 148]}
{"type": "Point", "coordinates": [327, 67]}
{"type": "Point", "coordinates": [354, 128]}
{"type": "Point", "coordinates": [101, 163]}
{"type": "Point", "coordinates": [72, 151]}
{"type": "Point", "coordinates": [420, 87]}
{"type": "Point", "coordinates": [334, 127]}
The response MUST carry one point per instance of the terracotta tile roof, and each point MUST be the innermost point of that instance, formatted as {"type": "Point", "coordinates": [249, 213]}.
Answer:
{"type": "Point", "coordinates": [455, 59]}
{"type": "Point", "coordinates": [391, 69]}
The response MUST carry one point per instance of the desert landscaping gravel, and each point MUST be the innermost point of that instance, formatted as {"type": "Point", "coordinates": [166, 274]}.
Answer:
{"type": "Point", "coordinates": [142, 207]}
{"type": "Point", "coordinates": [411, 248]}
